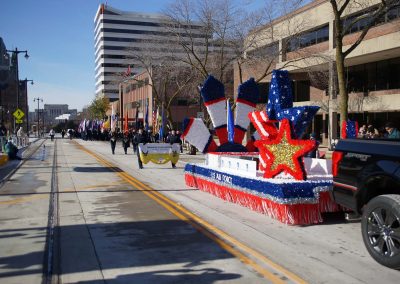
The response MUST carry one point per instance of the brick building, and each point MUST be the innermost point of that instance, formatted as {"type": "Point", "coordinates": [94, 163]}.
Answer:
{"type": "Point", "coordinates": [137, 92]}
{"type": "Point", "coordinates": [372, 69]}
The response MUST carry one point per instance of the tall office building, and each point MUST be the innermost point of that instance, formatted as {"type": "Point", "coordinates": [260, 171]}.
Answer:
{"type": "Point", "coordinates": [117, 31]}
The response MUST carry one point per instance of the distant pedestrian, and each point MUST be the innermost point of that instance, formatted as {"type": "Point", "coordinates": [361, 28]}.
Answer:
{"type": "Point", "coordinates": [140, 138]}
{"type": "Point", "coordinates": [113, 141]}
{"type": "Point", "coordinates": [181, 142]}
{"type": "Point", "coordinates": [20, 135]}
{"type": "Point", "coordinates": [11, 150]}
{"type": "Point", "coordinates": [314, 153]}
{"type": "Point", "coordinates": [52, 133]}
{"type": "Point", "coordinates": [3, 130]}
{"type": "Point", "coordinates": [393, 132]}
{"type": "Point", "coordinates": [126, 142]}
{"type": "Point", "coordinates": [372, 132]}
{"type": "Point", "coordinates": [173, 139]}
{"type": "Point", "coordinates": [134, 144]}
{"type": "Point", "coordinates": [63, 133]}
{"type": "Point", "coordinates": [362, 132]}
{"type": "Point", "coordinates": [70, 133]}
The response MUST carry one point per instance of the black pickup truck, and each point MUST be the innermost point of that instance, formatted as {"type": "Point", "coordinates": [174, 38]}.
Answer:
{"type": "Point", "coordinates": [366, 180]}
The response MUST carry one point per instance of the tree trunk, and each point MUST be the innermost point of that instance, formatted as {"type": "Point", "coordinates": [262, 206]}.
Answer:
{"type": "Point", "coordinates": [343, 95]}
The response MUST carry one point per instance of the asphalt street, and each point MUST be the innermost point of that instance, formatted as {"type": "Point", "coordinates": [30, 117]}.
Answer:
{"type": "Point", "coordinates": [114, 223]}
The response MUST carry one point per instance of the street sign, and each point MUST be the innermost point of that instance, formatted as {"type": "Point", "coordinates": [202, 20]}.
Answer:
{"type": "Point", "coordinates": [18, 114]}
{"type": "Point", "coordinates": [19, 121]}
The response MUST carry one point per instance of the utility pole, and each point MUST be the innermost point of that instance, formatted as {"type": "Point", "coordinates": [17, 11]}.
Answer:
{"type": "Point", "coordinates": [27, 107]}
{"type": "Point", "coordinates": [38, 100]}
{"type": "Point", "coordinates": [16, 52]}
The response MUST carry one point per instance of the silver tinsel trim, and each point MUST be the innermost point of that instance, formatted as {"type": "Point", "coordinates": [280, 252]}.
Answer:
{"type": "Point", "coordinates": [291, 201]}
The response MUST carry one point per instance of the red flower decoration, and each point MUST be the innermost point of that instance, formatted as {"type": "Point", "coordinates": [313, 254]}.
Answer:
{"type": "Point", "coordinates": [283, 154]}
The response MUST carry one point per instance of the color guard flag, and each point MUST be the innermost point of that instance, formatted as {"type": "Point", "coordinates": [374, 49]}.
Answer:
{"type": "Point", "coordinates": [146, 118]}
{"type": "Point", "coordinates": [113, 118]}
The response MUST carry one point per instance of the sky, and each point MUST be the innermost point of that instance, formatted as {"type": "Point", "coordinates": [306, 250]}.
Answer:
{"type": "Point", "coordinates": [59, 38]}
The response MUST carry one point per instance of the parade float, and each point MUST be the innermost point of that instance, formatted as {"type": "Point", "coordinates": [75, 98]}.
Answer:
{"type": "Point", "coordinates": [278, 180]}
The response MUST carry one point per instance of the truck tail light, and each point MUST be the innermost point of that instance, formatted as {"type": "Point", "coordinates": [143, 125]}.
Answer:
{"type": "Point", "coordinates": [336, 158]}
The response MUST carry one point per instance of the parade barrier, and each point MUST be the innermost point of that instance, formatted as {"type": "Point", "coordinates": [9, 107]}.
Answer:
{"type": "Point", "coordinates": [159, 153]}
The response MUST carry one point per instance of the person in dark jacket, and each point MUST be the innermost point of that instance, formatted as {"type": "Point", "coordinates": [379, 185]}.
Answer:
{"type": "Point", "coordinates": [172, 139]}
{"type": "Point", "coordinates": [126, 142]}
{"type": "Point", "coordinates": [140, 138]}
{"type": "Point", "coordinates": [393, 132]}
{"type": "Point", "coordinates": [113, 141]}
{"type": "Point", "coordinates": [11, 150]}
{"type": "Point", "coordinates": [133, 139]}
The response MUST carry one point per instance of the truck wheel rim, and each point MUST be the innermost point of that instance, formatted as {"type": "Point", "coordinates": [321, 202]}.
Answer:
{"type": "Point", "coordinates": [383, 228]}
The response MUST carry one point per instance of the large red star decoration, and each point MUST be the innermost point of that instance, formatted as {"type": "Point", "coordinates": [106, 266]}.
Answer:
{"type": "Point", "coordinates": [283, 154]}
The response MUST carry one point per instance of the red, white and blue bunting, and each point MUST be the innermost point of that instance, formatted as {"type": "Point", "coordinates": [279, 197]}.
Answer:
{"type": "Point", "coordinates": [289, 201]}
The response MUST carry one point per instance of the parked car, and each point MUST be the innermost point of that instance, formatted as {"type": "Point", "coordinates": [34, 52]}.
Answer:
{"type": "Point", "coordinates": [366, 180]}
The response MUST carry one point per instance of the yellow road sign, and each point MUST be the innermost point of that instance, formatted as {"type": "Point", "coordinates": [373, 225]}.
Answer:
{"type": "Point", "coordinates": [18, 121]}
{"type": "Point", "coordinates": [18, 114]}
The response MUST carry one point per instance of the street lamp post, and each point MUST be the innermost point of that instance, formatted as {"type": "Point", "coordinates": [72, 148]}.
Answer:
{"type": "Point", "coordinates": [16, 52]}
{"type": "Point", "coordinates": [26, 99]}
{"type": "Point", "coordinates": [38, 100]}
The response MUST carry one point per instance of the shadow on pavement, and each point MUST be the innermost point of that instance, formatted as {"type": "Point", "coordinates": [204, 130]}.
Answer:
{"type": "Point", "coordinates": [97, 169]}
{"type": "Point", "coordinates": [122, 245]}
{"type": "Point", "coordinates": [204, 276]}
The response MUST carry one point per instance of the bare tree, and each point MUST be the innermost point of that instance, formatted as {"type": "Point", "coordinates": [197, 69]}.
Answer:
{"type": "Point", "coordinates": [204, 32]}
{"type": "Point", "coordinates": [343, 26]}
{"type": "Point", "coordinates": [169, 78]}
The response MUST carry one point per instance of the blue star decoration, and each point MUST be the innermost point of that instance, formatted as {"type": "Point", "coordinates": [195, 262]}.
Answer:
{"type": "Point", "coordinates": [280, 104]}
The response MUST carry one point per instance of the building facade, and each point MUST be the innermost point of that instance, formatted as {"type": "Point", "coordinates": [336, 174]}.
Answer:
{"type": "Point", "coordinates": [47, 115]}
{"type": "Point", "coordinates": [117, 35]}
{"type": "Point", "coordinates": [136, 96]}
{"type": "Point", "coordinates": [8, 90]}
{"type": "Point", "coordinates": [308, 52]}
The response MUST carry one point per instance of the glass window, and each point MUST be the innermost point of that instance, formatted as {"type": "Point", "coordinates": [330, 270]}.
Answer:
{"type": "Point", "coordinates": [301, 91]}
{"type": "Point", "coordinates": [308, 38]}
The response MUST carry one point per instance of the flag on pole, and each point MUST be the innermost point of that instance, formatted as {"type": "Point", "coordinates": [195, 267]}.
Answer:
{"type": "Point", "coordinates": [162, 125]}
{"type": "Point", "coordinates": [231, 125]}
{"type": "Point", "coordinates": [137, 118]}
{"type": "Point", "coordinates": [126, 122]}
{"type": "Point", "coordinates": [146, 117]}
{"type": "Point", "coordinates": [154, 120]}
{"type": "Point", "coordinates": [113, 118]}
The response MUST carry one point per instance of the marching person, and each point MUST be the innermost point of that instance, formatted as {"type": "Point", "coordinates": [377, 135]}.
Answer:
{"type": "Point", "coordinates": [113, 141]}
{"type": "Point", "coordinates": [126, 142]}
{"type": "Point", "coordinates": [70, 132]}
{"type": "Point", "coordinates": [63, 133]}
{"type": "Point", "coordinates": [52, 133]}
{"type": "Point", "coordinates": [134, 145]}
{"type": "Point", "coordinates": [140, 138]}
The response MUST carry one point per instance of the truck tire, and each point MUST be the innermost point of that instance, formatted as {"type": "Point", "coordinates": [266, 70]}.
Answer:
{"type": "Point", "coordinates": [380, 227]}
